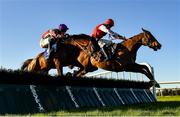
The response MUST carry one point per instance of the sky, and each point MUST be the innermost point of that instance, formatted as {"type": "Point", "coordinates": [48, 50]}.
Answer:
{"type": "Point", "coordinates": [22, 23]}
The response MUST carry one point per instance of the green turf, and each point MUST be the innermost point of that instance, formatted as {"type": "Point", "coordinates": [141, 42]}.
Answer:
{"type": "Point", "coordinates": [166, 106]}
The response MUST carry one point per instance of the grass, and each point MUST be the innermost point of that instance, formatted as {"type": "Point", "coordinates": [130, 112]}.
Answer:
{"type": "Point", "coordinates": [166, 106]}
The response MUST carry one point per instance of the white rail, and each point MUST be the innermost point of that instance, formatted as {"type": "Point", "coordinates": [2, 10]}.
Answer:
{"type": "Point", "coordinates": [170, 82]}
{"type": "Point", "coordinates": [99, 74]}
{"type": "Point", "coordinates": [118, 75]}
{"type": "Point", "coordinates": [175, 88]}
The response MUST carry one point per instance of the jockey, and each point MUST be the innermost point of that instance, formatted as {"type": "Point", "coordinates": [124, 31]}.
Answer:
{"type": "Point", "coordinates": [51, 36]}
{"type": "Point", "coordinates": [101, 30]}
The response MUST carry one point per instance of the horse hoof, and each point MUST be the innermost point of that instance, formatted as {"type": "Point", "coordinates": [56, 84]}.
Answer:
{"type": "Point", "coordinates": [157, 85]}
{"type": "Point", "coordinates": [154, 83]}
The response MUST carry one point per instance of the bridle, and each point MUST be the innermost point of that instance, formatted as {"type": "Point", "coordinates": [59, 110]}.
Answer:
{"type": "Point", "coordinates": [146, 40]}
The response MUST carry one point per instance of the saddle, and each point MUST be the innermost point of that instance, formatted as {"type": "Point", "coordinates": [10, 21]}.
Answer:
{"type": "Point", "coordinates": [111, 49]}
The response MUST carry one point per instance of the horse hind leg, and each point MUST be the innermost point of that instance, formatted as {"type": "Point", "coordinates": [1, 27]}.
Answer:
{"type": "Point", "coordinates": [84, 71]}
{"type": "Point", "coordinates": [79, 73]}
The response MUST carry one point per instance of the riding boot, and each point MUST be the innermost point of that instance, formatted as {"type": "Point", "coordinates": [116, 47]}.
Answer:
{"type": "Point", "coordinates": [48, 53]}
{"type": "Point", "coordinates": [93, 53]}
{"type": "Point", "coordinates": [94, 46]}
{"type": "Point", "coordinates": [105, 53]}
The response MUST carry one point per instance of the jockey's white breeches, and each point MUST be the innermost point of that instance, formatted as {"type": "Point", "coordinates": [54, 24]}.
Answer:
{"type": "Point", "coordinates": [44, 42]}
{"type": "Point", "coordinates": [103, 42]}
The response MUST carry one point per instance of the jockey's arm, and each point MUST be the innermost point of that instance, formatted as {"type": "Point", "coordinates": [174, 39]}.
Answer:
{"type": "Point", "coordinates": [122, 37]}
{"type": "Point", "coordinates": [110, 32]}
{"type": "Point", "coordinates": [53, 34]}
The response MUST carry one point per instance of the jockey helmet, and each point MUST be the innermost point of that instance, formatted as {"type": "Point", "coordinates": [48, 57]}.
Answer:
{"type": "Point", "coordinates": [63, 27]}
{"type": "Point", "coordinates": [109, 22]}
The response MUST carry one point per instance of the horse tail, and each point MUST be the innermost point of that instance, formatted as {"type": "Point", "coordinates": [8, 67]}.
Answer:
{"type": "Point", "coordinates": [25, 64]}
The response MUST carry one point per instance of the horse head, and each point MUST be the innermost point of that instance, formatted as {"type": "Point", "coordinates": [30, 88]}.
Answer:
{"type": "Point", "coordinates": [150, 41]}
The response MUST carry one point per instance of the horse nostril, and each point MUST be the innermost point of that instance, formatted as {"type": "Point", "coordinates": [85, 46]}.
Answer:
{"type": "Point", "coordinates": [160, 47]}
{"type": "Point", "coordinates": [155, 44]}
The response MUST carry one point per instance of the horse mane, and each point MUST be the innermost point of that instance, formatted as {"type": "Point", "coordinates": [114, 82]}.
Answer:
{"type": "Point", "coordinates": [135, 36]}
{"type": "Point", "coordinates": [131, 39]}
{"type": "Point", "coordinates": [78, 40]}
{"type": "Point", "coordinates": [80, 36]}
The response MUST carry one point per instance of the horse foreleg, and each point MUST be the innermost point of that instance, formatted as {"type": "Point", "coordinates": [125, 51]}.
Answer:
{"type": "Point", "coordinates": [152, 80]}
{"type": "Point", "coordinates": [58, 66]}
{"type": "Point", "coordinates": [148, 72]}
{"type": "Point", "coordinates": [139, 68]}
{"type": "Point", "coordinates": [142, 69]}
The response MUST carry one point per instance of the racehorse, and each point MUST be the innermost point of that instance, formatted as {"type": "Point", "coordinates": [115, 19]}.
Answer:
{"type": "Point", "coordinates": [125, 57]}
{"type": "Point", "coordinates": [66, 55]}
{"type": "Point", "coordinates": [73, 52]}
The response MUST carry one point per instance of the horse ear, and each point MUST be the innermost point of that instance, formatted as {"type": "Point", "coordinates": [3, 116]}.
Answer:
{"type": "Point", "coordinates": [143, 30]}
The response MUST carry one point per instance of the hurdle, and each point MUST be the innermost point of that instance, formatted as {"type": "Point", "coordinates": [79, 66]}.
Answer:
{"type": "Point", "coordinates": [23, 92]}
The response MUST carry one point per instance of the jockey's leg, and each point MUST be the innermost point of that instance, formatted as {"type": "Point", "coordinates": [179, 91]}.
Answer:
{"type": "Point", "coordinates": [113, 48]}
{"type": "Point", "coordinates": [94, 45]}
{"type": "Point", "coordinates": [45, 43]}
{"type": "Point", "coordinates": [107, 56]}
{"type": "Point", "coordinates": [48, 52]}
{"type": "Point", "coordinates": [50, 49]}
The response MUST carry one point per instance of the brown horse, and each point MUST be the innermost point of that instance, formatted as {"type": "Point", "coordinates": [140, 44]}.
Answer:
{"type": "Point", "coordinates": [66, 55]}
{"type": "Point", "coordinates": [74, 52]}
{"type": "Point", "coordinates": [125, 57]}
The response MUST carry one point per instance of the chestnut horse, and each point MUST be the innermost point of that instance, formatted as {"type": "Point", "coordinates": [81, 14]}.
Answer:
{"type": "Point", "coordinates": [125, 57]}
{"type": "Point", "coordinates": [74, 52]}
{"type": "Point", "coordinates": [66, 55]}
